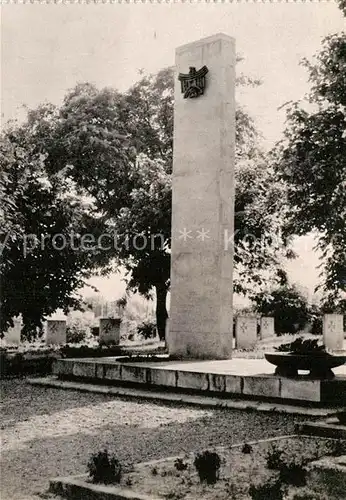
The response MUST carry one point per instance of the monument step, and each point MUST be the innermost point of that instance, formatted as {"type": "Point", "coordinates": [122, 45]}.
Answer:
{"type": "Point", "coordinates": [181, 398]}
{"type": "Point", "coordinates": [241, 378]}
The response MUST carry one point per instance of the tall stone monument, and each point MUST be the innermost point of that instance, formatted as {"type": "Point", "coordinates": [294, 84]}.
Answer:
{"type": "Point", "coordinates": [200, 324]}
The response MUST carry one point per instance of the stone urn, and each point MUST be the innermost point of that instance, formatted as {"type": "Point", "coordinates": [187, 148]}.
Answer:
{"type": "Point", "coordinates": [319, 364]}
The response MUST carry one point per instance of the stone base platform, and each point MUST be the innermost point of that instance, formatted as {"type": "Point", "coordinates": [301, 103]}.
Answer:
{"type": "Point", "coordinates": [240, 378]}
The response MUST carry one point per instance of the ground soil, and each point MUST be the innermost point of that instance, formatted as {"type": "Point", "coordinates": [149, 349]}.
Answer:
{"type": "Point", "coordinates": [238, 470]}
{"type": "Point", "coordinates": [51, 432]}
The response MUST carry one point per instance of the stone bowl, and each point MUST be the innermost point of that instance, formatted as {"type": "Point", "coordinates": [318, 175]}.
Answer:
{"type": "Point", "coordinates": [319, 364]}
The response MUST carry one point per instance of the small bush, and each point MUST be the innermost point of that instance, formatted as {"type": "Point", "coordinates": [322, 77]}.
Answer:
{"type": "Point", "coordinates": [104, 468]}
{"type": "Point", "coordinates": [246, 449]}
{"type": "Point", "coordinates": [208, 466]}
{"type": "Point", "coordinates": [147, 330]}
{"type": "Point", "coordinates": [274, 458]}
{"type": "Point", "coordinates": [294, 474]}
{"type": "Point", "coordinates": [271, 490]}
{"type": "Point", "coordinates": [75, 334]}
{"type": "Point", "coordinates": [288, 306]}
{"type": "Point", "coordinates": [180, 465]}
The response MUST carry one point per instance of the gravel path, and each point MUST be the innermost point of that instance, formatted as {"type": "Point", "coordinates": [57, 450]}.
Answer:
{"type": "Point", "coordinates": [52, 432]}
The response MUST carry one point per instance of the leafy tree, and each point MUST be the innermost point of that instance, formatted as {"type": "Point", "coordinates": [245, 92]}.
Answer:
{"type": "Point", "coordinates": [311, 161]}
{"type": "Point", "coordinates": [40, 213]}
{"type": "Point", "coordinates": [146, 115]}
{"type": "Point", "coordinates": [286, 304]}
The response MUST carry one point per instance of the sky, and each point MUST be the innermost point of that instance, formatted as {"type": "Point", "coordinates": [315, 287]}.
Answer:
{"type": "Point", "coordinates": [47, 48]}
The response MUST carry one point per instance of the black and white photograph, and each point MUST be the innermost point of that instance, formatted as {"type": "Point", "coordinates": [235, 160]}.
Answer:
{"type": "Point", "coordinates": [173, 250]}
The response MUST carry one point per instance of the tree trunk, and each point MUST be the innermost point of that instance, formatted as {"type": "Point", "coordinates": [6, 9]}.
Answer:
{"type": "Point", "coordinates": [161, 311]}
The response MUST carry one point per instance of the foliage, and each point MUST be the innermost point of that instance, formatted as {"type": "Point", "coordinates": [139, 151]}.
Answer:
{"type": "Point", "coordinates": [120, 151]}
{"type": "Point", "coordinates": [101, 164]}
{"type": "Point", "coordinates": [104, 468]}
{"type": "Point", "coordinates": [311, 162]}
{"type": "Point", "coordinates": [75, 334]}
{"type": "Point", "coordinates": [301, 346]}
{"type": "Point", "coordinates": [39, 272]}
{"type": "Point", "coordinates": [147, 330]}
{"type": "Point", "coordinates": [271, 490]}
{"type": "Point", "coordinates": [286, 304]}
{"type": "Point", "coordinates": [274, 458]}
{"type": "Point", "coordinates": [207, 465]}
{"type": "Point", "coordinates": [293, 473]}
{"type": "Point", "coordinates": [246, 449]}
{"type": "Point", "coordinates": [85, 351]}
{"type": "Point", "coordinates": [180, 464]}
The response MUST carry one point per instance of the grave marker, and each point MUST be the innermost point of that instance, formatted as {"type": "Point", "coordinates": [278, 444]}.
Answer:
{"type": "Point", "coordinates": [109, 331]}
{"type": "Point", "coordinates": [333, 331]}
{"type": "Point", "coordinates": [267, 327]}
{"type": "Point", "coordinates": [56, 332]}
{"type": "Point", "coordinates": [245, 332]}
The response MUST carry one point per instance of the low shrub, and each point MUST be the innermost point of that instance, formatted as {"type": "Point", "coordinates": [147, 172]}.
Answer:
{"type": "Point", "coordinates": [294, 474]}
{"type": "Point", "coordinates": [207, 465]}
{"type": "Point", "coordinates": [271, 490]}
{"type": "Point", "coordinates": [85, 351]}
{"type": "Point", "coordinates": [180, 465]}
{"type": "Point", "coordinates": [274, 458]}
{"type": "Point", "coordinates": [75, 334]}
{"type": "Point", "coordinates": [104, 468]}
{"type": "Point", "coordinates": [246, 449]}
{"type": "Point", "coordinates": [147, 330]}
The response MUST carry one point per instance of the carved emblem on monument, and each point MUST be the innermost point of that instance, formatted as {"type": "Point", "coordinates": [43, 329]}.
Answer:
{"type": "Point", "coordinates": [193, 83]}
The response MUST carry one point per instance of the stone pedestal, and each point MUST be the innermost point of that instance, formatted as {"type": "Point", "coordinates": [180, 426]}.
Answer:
{"type": "Point", "coordinates": [56, 332]}
{"type": "Point", "coordinates": [203, 204]}
{"type": "Point", "coordinates": [333, 331]}
{"type": "Point", "coordinates": [109, 331]}
{"type": "Point", "coordinates": [267, 328]}
{"type": "Point", "coordinates": [12, 336]}
{"type": "Point", "coordinates": [245, 332]}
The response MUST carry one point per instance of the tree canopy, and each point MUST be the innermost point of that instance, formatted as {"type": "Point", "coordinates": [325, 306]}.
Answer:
{"type": "Point", "coordinates": [311, 161]}
{"type": "Point", "coordinates": [109, 157]}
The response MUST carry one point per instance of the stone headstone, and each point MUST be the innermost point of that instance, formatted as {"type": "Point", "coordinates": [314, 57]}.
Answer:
{"type": "Point", "coordinates": [333, 331]}
{"type": "Point", "coordinates": [56, 332]}
{"type": "Point", "coordinates": [267, 327]}
{"type": "Point", "coordinates": [13, 334]}
{"type": "Point", "coordinates": [203, 200]}
{"type": "Point", "coordinates": [109, 331]}
{"type": "Point", "coordinates": [245, 332]}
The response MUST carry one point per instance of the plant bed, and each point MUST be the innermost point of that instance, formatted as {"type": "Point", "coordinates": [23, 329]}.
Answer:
{"type": "Point", "coordinates": [275, 469]}
{"type": "Point", "coordinates": [305, 355]}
